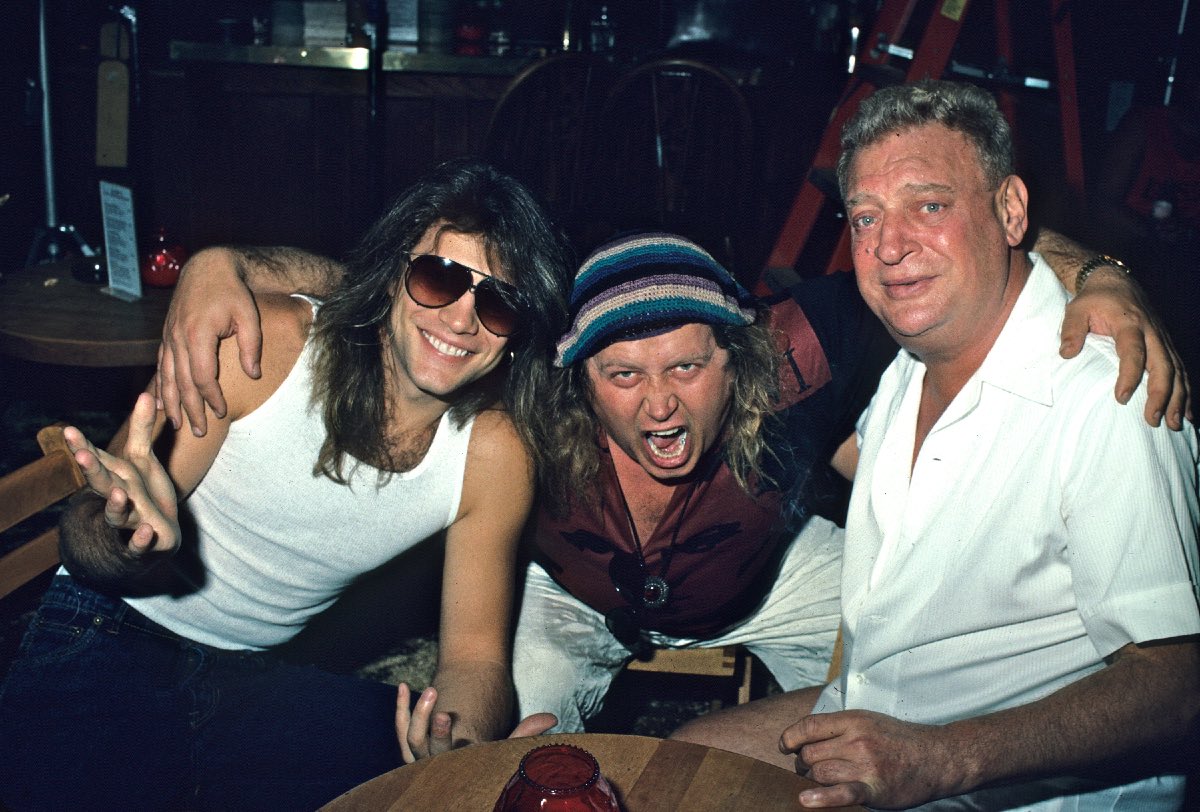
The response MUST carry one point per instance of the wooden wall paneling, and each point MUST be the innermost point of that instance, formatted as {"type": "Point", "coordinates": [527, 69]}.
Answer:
{"type": "Point", "coordinates": [278, 154]}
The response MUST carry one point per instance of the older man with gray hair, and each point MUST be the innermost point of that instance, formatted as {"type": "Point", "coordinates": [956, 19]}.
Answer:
{"type": "Point", "coordinates": [1019, 606]}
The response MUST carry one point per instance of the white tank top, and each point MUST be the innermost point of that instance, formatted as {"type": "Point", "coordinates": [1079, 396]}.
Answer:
{"type": "Point", "coordinates": [278, 544]}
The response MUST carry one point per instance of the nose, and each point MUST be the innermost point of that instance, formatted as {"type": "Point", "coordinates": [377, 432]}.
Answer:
{"type": "Point", "coordinates": [459, 315]}
{"type": "Point", "coordinates": [892, 242]}
{"type": "Point", "coordinates": [660, 401]}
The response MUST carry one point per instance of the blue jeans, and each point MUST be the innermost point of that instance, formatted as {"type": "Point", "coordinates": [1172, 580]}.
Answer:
{"type": "Point", "coordinates": [104, 709]}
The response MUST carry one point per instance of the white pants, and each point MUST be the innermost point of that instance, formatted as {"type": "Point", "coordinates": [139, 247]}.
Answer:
{"type": "Point", "coordinates": [564, 658]}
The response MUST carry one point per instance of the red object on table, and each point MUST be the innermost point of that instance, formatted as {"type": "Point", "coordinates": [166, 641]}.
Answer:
{"type": "Point", "coordinates": [646, 774]}
{"type": "Point", "coordinates": [557, 778]}
{"type": "Point", "coordinates": [160, 267]}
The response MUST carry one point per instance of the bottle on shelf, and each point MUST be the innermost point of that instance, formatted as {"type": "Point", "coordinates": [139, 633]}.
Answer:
{"type": "Point", "coordinates": [499, 40]}
{"type": "Point", "coordinates": [602, 36]}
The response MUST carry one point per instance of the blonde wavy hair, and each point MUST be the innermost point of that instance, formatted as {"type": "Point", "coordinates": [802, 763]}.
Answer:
{"type": "Point", "coordinates": [568, 428]}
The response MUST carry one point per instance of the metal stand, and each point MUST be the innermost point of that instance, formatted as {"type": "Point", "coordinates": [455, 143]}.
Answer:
{"type": "Point", "coordinates": [52, 240]}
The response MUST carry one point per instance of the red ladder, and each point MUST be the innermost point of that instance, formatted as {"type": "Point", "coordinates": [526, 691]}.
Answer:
{"type": "Point", "coordinates": [874, 68]}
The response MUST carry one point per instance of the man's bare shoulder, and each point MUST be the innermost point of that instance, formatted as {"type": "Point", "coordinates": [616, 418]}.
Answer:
{"type": "Point", "coordinates": [286, 321]}
{"type": "Point", "coordinates": [496, 456]}
{"type": "Point", "coordinates": [495, 435]}
{"type": "Point", "coordinates": [498, 482]}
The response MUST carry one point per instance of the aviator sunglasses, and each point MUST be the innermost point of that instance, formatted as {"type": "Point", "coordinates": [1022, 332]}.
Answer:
{"type": "Point", "coordinates": [433, 281]}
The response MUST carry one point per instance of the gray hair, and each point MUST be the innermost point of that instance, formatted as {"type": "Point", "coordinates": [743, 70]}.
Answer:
{"type": "Point", "coordinates": [964, 108]}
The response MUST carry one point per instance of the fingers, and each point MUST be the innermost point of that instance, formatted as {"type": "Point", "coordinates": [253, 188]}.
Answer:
{"type": "Point", "coordinates": [1181, 400]}
{"type": "Point", "coordinates": [1131, 355]}
{"type": "Point", "coordinates": [249, 340]}
{"type": "Point", "coordinates": [1160, 383]}
{"type": "Point", "coordinates": [141, 428]}
{"type": "Point", "coordinates": [142, 539]}
{"type": "Point", "coordinates": [87, 456]}
{"type": "Point", "coordinates": [848, 794]}
{"type": "Point", "coordinates": [403, 718]}
{"type": "Point", "coordinates": [415, 737]}
{"type": "Point", "coordinates": [439, 733]}
{"type": "Point", "coordinates": [165, 392]}
{"type": "Point", "coordinates": [1074, 330]}
{"type": "Point", "coordinates": [534, 725]}
{"type": "Point", "coordinates": [1168, 391]}
{"type": "Point", "coordinates": [119, 509]}
{"type": "Point", "coordinates": [1180, 404]}
{"type": "Point", "coordinates": [158, 380]}
{"type": "Point", "coordinates": [196, 380]}
{"type": "Point", "coordinates": [201, 385]}
{"type": "Point", "coordinates": [794, 737]}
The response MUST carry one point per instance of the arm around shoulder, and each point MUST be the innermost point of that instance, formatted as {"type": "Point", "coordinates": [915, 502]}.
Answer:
{"type": "Point", "coordinates": [214, 300]}
{"type": "Point", "coordinates": [1109, 302]}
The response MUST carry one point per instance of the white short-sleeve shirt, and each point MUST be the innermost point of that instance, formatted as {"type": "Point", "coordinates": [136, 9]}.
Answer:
{"type": "Point", "coordinates": [1043, 527]}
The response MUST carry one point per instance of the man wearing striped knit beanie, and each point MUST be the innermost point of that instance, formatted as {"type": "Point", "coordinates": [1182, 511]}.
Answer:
{"type": "Point", "coordinates": [706, 439]}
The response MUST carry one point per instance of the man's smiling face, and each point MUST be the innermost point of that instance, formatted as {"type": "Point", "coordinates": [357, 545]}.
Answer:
{"type": "Point", "coordinates": [437, 351]}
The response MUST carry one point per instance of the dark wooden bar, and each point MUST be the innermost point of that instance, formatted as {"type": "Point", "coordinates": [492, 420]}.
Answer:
{"type": "Point", "coordinates": [267, 145]}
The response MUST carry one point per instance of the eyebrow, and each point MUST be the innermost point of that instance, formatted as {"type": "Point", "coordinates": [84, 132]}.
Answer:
{"type": "Point", "coordinates": [910, 188]}
{"type": "Point", "coordinates": [690, 358]}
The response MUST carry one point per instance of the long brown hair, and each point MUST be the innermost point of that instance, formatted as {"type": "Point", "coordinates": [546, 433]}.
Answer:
{"type": "Point", "coordinates": [469, 197]}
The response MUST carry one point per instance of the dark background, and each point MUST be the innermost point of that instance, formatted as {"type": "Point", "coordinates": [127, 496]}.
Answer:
{"type": "Point", "coordinates": [210, 157]}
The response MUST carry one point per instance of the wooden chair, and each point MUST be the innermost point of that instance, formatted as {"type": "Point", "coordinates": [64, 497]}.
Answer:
{"type": "Point", "coordinates": [27, 491]}
{"type": "Point", "coordinates": [542, 127]}
{"type": "Point", "coordinates": [728, 662]}
{"type": "Point", "coordinates": [673, 152]}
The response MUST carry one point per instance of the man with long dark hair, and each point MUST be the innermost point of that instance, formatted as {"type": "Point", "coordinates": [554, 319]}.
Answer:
{"type": "Point", "coordinates": [382, 416]}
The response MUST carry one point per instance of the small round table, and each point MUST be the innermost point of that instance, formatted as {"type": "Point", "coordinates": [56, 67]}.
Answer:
{"type": "Point", "coordinates": [48, 316]}
{"type": "Point", "coordinates": [649, 775]}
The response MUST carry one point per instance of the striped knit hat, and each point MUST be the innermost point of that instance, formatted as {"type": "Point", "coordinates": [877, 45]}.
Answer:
{"type": "Point", "coordinates": [645, 284]}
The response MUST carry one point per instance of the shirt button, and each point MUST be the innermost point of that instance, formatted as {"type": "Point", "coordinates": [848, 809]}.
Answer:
{"type": "Point", "coordinates": [860, 679]}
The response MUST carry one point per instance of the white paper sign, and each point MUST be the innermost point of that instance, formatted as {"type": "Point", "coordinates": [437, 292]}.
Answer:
{"type": "Point", "coordinates": [120, 241]}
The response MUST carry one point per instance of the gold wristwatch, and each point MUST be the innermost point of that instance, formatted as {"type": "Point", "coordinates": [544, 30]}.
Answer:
{"type": "Point", "coordinates": [1096, 262]}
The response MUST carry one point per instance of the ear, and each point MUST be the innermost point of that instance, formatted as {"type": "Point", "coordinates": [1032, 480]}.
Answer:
{"type": "Point", "coordinates": [1012, 209]}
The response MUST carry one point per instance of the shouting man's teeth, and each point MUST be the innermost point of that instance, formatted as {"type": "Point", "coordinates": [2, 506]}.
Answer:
{"type": "Point", "coordinates": [667, 445]}
{"type": "Point", "coordinates": [443, 347]}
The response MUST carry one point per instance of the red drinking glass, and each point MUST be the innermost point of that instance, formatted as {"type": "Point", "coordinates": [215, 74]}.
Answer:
{"type": "Point", "coordinates": [557, 778]}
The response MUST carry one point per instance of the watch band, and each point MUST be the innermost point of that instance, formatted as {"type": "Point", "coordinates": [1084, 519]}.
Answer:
{"type": "Point", "coordinates": [1095, 262]}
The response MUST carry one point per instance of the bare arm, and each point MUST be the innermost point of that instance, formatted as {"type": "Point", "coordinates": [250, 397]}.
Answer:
{"type": "Point", "coordinates": [1112, 304]}
{"type": "Point", "coordinates": [213, 301]}
{"type": "Point", "coordinates": [845, 459]}
{"type": "Point", "coordinates": [127, 526]}
{"type": "Point", "coordinates": [1149, 696]}
{"type": "Point", "coordinates": [473, 696]}
{"type": "Point", "coordinates": [751, 729]}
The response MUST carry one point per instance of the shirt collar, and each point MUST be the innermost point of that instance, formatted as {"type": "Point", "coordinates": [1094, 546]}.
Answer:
{"type": "Point", "coordinates": [1025, 354]}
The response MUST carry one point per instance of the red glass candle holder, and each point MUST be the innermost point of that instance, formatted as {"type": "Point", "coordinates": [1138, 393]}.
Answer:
{"type": "Point", "coordinates": [557, 778]}
{"type": "Point", "coordinates": [160, 267]}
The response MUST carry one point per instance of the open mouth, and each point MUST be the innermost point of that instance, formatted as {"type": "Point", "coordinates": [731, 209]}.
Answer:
{"type": "Point", "coordinates": [668, 445]}
{"type": "Point", "coordinates": [444, 348]}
